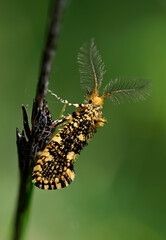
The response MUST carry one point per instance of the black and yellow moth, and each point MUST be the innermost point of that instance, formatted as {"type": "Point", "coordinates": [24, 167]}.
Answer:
{"type": "Point", "coordinates": [54, 168]}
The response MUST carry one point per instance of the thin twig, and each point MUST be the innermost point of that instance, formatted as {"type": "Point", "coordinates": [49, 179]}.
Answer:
{"type": "Point", "coordinates": [48, 55]}
{"type": "Point", "coordinates": [42, 128]}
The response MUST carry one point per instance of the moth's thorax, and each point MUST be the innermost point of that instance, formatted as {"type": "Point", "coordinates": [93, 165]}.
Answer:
{"type": "Point", "coordinates": [93, 112]}
{"type": "Point", "coordinates": [89, 116]}
{"type": "Point", "coordinates": [97, 111]}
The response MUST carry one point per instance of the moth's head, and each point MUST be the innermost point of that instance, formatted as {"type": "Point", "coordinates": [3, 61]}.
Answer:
{"type": "Point", "coordinates": [94, 99]}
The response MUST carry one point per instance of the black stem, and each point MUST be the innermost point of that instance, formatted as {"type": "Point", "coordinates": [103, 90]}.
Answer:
{"type": "Point", "coordinates": [42, 128]}
{"type": "Point", "coordinates": [49, 52]}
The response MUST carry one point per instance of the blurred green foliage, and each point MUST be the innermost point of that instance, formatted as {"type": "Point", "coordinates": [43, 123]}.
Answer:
{"type": "Point", "coordinates": [119, 191]}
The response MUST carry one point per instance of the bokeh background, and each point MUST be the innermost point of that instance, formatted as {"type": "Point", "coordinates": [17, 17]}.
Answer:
{"type": "Point", "coordinates": [119, 192]}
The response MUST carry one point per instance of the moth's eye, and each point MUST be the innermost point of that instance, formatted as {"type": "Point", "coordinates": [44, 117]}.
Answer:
{"type": "Point", "coordinates": [90, 101]}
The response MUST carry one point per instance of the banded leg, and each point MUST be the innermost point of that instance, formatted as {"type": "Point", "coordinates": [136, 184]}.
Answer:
{"type": "Point", "coordinates": [66, 102]}
{"type": "Point", "coordinates": [59, 121]}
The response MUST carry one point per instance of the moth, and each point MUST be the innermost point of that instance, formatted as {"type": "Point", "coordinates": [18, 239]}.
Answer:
{"type": "Point", "coordinates": [54, 168]}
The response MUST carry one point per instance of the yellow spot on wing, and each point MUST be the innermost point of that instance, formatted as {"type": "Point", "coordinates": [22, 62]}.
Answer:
{"type": "Point", "coordinates": [40, 162]}
{"type": "Point", "coordinates": [62, 178]}
{"type": "Point", "coordinates": [75, 125]}
{"type": "Point", "coordinates": [81, 137]}
{"type": "Point", "coordinates": [37, 168]}
{"type": "Point", "coordinates": [34, 181]}
{"type": "Point", "coordinates": [56, 180]}
{"type": "Point", "coordinates": [58, 185]}
{"type": "Point", "coordinates": [46, 181]}
{"type": "Point", "coordinates": [66, 183]}
{"type": "Point", "coordinates": [70, 174]}
{"type": "Point", "coordinates": [47, 155]}
{"type": "Point", "coordinates": [71, 155]}
{"type": "Point", "coordinates": [57, 139]}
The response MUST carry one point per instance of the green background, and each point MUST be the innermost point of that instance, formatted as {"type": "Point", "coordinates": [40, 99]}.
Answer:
{"type": "Point", "coordinates": [119, 192]}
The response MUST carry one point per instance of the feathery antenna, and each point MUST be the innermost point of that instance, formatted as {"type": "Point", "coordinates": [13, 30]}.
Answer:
{"type": "Point", "coordinates": [91, 68]}
{"type": "Point", "coordinates": [132, 90]}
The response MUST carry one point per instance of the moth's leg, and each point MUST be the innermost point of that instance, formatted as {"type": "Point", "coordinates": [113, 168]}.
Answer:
{"type": "Point", "coordinates": [66, 102]}
{"type": "Point", "coordinates": [60, 121]}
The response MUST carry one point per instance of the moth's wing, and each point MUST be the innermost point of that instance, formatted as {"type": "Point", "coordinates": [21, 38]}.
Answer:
{"type": "Point", "coordinates": [54, 168]}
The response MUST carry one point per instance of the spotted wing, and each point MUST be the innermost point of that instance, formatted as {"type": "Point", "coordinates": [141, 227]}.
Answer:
{"type": "Point", "coordinates": [54, 168]}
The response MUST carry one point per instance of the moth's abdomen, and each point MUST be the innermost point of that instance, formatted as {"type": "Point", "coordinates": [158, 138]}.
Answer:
{"type": "Point", "coordinates": [54, 168]}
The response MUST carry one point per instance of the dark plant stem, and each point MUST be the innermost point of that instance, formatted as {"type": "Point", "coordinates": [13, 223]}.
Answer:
{"type": "Point", "coordinates": [31, 141]}
{"type": "Point", "coordinates": [23, 208]}
{"type": "Point", "coordinates": [49, 53]}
